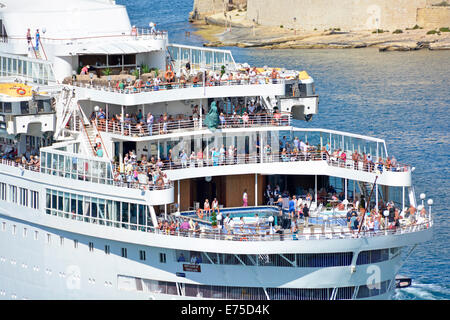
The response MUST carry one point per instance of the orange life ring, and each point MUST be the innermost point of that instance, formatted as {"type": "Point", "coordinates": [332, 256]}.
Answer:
{"type": "Point", "coordinates": [200, 213]}
{"type": "Point", "coordinates": [243, 239]}
{"type": "Point", "coordinates": [21, 91]}
{"type": "Point", "coordinates": [169, 74]}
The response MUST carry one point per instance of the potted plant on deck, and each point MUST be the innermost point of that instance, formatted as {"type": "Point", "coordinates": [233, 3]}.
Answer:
{"type": "Point", "coordinates": [214, 219]}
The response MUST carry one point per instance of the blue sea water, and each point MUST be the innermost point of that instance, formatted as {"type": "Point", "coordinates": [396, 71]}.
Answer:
{"type": "Point", "coordinates": [402, 97]}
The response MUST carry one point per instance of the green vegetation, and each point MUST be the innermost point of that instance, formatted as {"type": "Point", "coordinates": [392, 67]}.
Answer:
{"type": "Point", "coordinates": [414, 28]}
{"type": "Point", "coordinates": [136, 73]}
{"type": "Point", "coordinates": [213, 218]}
{"type": "Point", "coordinates": [433, 32]}
{"type": "Point", "coordinates": [144, 68]}
{"type": "Point", "coordinates": [444, 29]}
{"type": "Point", "coordinates": [281, 26]}
{"type": "Point", "coordinates": [397, 31]}
{"type": "Point", "coordinates": [379, 31]}
{"type": "Point", "coordinates": [442, 4]}
{"type": "Point", "coordinates": [107, 72]}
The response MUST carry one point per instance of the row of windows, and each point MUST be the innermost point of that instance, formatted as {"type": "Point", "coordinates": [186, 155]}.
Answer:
{"type": "Point", "coordinates": [248, 293]}
{"type": "Point", "coordinates": [22, 196]}
{"type": "Point", "coordinates": [318, 260]}
{"type": "Point", "coordinates": [372, 256]}
{"type": "Point", "coordinates": [74, 167]}
{"type": "Point", "coordinates": [91, 209]}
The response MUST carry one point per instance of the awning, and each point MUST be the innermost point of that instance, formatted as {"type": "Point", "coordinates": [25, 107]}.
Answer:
{"type": "Point", "coordinates": [125, 47]}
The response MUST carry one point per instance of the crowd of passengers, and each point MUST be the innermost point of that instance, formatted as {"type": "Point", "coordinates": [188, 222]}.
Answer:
{"type": "Point", "coordinates": [297, 150]}
{"type": "Point", "coordinates": [29, 159]}
{"type": "Point", "coordinates": [293, 216]}
{"type": "Point", "coordinates": [357, 212]}
{"type": "Point", "coordinates": [145, 173]}
{"type": "Point", "coordinates": [186, 77]}
{"type": "Point", "coordinates": [231, 114]}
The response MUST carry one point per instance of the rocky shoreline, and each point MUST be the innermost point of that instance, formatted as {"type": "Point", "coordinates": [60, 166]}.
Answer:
{"type": "Point", "coordinates": [223, 31]}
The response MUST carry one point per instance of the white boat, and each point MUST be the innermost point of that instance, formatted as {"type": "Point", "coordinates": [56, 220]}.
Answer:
{"type": "Point", "coordinates": [88, 193]}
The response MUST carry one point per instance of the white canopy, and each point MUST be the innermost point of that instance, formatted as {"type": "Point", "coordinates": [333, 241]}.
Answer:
{"type": "Point", "coordinates": [120, 47]}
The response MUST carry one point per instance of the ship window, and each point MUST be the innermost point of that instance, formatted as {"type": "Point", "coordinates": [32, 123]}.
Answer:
{"type": "Point", "coordinates": [35, 199]}
{"type": "Point", "coordinates": [61, 241]}
{"type": "Point", "coordinates": [49, 238]}
{"type": "Point", "coordinates": [75, 244]}
{"type": "Point", "coordinates": [142, 254]}
{"type": "Point", "coordinates": [2, 191]}
{"type": "Point", "coordinates": [36, 235]}
{"type": "Point", "coordinates": [107, 249]}
{"type": "Point", "coordinates": [162, 257]}
{"type": "Point", "coordinates": [124, 252]}
{"type": "Point", "coordinates": [125, 215]}
{"type": "Point", "coordinates": [372, 256]}
{"type": "Point", "coordinates": [91, 246]}
{"type": "Point", "coordinates": [24, 107]}
{"type": "Point", "coordinates": [7, 107]}
{"type": "Point", "coordinates": [25, 232]}
{"type": "Point", "coordinates": [133, 216]}
{"type": "Point", "coordinates": [3, 226]}
{"type": "Point", "coordinates": [13, 194]}
{"type": "Point", "coordinates": [14, 229]}
{"type": "Point", "coordinates": [23, 197]}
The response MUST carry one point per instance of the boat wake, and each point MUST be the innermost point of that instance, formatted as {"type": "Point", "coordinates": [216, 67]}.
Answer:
{"type": "Point", "coordinates": [422, 291]}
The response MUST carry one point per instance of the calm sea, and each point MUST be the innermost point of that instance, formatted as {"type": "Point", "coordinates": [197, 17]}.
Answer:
{"type": "Point", "coordinates": [402, 97]}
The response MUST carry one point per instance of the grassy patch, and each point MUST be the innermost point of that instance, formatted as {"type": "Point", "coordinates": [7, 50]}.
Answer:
{"type": "Point", "coordinates": [397, 31]}
{"type": "Point", "coordinates": [444, 29]}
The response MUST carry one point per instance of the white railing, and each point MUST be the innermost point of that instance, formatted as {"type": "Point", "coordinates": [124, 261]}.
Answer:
{"type": "Point", "coordinates": [84, 176]}
{"type": "Point", "coordinates": [171, 126]}
{"type": "Point", "coordinates": [240, 159]}
{"type": "Point", "coordinates": [249, 232]}
{"type": "Point", "coordinates": [142, 87]}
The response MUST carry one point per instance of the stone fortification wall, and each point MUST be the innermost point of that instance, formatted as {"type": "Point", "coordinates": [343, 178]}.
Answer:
{"type": "Point", "coordinates": [203, 8]}
{"type": "Point", "coordinates": [433, 17]}
{"type": "Point", "coordinates": [206, 7]}
{"type": "Point", "coordinates": [344, 14]}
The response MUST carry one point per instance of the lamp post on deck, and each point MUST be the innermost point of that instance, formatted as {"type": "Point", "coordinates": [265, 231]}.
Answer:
{"type": "Point", "coordinates": [430, 203]}
{"type": "Point", "coordinates": [422, 197]}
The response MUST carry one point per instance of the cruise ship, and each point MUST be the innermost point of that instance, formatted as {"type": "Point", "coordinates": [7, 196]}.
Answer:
{"type": "Point", "coordinates": [136, 168]}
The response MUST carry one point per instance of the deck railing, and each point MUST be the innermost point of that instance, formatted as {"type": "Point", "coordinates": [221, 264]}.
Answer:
{"type": "Point", "coordinates": [273, 157]}
{"type": "Point", "coordinates": [173, 126]}
{"type": "Point", "coordinates": [252, 233]}
{"type": "Point", "coordinates": [143, 87]}
{"type": "Point", "coordinates": [143, 184]}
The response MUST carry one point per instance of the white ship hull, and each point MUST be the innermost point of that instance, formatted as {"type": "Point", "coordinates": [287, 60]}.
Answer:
{"type": "Point", "coordinates": [45, 256]}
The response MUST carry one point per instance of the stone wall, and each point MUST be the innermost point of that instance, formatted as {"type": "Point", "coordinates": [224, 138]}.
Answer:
{"type": "Point", "coordinates": [433, 17]}
{"type": "Point", "coordinates": [203, 8]}
{"type": "Point", "coordinates": [349, 15]}
{"type": "Point", "coordinates": [208, 7]}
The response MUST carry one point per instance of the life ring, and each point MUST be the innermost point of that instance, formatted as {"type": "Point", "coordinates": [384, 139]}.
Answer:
{"type": "Point", "coordinates": [21, 91]}
{"type": "Point", "coordinates": [169, 74]}
{"type": "Point", "coordinates": [243, 239]}
{"type": "Point", "coordinates": [200, 213]}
